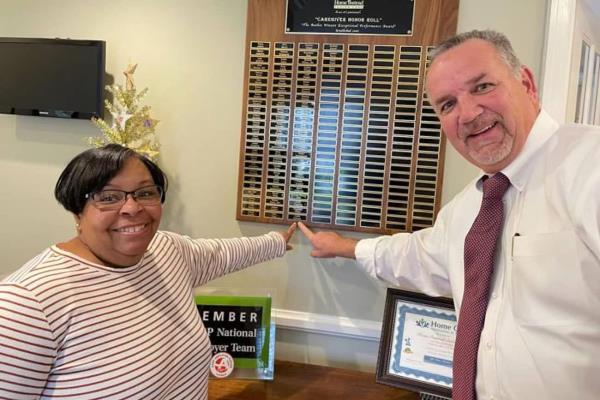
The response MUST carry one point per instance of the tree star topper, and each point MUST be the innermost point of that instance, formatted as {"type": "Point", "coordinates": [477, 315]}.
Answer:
{"type": "Point", "coordinates": [129, 76]}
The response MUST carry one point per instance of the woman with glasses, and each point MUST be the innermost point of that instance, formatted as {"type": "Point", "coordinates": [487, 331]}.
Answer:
{"type": "Point", "coordinates": [110, 314]}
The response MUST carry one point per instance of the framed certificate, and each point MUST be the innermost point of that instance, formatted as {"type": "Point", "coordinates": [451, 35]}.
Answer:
{"type": "Point", "coordinates": [417, 343]}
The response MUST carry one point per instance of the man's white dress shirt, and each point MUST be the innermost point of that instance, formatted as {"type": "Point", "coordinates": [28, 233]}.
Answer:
{"type": "Point", "coordinates": [541, 338]}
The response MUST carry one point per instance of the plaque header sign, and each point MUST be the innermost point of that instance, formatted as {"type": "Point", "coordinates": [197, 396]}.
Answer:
{"type": "Point", "coordinates": [350, 17]}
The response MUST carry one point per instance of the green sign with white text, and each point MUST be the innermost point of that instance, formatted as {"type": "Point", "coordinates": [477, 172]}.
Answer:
{"type": "Point", "coordinates": [239, 326]}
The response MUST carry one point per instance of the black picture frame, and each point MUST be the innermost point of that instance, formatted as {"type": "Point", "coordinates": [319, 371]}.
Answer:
{"type": "Point", "coordinates": [385, 356]}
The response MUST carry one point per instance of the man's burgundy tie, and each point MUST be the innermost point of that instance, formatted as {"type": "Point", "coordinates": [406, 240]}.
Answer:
{"type": "Point", "coordinates": [480, 247]}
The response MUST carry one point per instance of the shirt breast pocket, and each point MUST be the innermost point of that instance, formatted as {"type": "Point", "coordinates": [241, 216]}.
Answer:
{"type": "Point", "coordinates": [546, 280]}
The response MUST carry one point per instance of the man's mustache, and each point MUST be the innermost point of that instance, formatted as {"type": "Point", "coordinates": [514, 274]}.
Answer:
{"type": "Point", "coordinates": [477, 126]}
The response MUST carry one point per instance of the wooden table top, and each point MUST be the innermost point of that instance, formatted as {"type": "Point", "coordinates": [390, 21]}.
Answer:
{"type": "Point", "coordinates": [303, 382]}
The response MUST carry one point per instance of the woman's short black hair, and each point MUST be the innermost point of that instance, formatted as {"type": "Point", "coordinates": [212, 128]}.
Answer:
{"type": "Point", "coordinates": [91, 170]}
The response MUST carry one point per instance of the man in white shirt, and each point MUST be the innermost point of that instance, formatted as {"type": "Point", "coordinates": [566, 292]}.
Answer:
{"type": "Point", "coordinates": [541, 336]}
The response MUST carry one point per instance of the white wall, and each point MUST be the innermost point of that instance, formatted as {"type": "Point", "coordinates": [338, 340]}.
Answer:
{"type": "Point", "coordinates": [191, 56]}
{"type": "Point", "coordinates": [586, 28]}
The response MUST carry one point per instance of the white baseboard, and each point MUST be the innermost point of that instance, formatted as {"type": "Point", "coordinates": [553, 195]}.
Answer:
{"type": "Point", "coordinates": [361, 329]}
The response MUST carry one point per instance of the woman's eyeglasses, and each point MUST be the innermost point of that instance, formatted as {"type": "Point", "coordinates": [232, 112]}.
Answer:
{"type": "Point", "coordinates": [113, 199]}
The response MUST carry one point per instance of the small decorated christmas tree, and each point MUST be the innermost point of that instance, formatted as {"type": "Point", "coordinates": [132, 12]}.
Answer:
{"type": "Point", "coordinates": [132, 126]}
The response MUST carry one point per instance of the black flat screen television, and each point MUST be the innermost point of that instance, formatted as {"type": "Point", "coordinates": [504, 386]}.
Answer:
{"type": "Point", "coordinates": [52, 77]}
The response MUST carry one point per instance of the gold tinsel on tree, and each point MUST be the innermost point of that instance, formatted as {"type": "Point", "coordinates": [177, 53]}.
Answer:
{"type": "Point", "coordinates": [132, 126]}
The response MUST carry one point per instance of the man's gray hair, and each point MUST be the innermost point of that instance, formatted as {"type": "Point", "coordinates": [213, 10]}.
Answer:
{"type": "Point", "coordinates": [496, 39]}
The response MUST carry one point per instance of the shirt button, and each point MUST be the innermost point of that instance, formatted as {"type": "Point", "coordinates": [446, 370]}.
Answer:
{"type": "Point", "coordinates": [489, 345]}
{"type": "Point", "coordinates": [494, 296]}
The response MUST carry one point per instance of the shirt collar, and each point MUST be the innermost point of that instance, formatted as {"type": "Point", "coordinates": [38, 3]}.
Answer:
{"type": "Point", "coordinates": [519, 170]}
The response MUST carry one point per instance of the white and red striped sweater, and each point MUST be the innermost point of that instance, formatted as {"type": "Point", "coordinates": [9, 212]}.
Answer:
{"type": "Point", "coordinates": [71, 329]}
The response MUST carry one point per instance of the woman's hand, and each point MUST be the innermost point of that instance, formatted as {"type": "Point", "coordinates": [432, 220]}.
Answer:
{"type": "Point", "coordinates": [287, 235]}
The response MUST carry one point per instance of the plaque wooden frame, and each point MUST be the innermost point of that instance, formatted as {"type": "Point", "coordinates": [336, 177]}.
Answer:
{"type": "Point", "coordinates": [336, 129]}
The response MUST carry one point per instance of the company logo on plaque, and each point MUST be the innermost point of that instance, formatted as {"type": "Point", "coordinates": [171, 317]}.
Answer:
{"type": "Point", "coordinates": [349, 4]}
